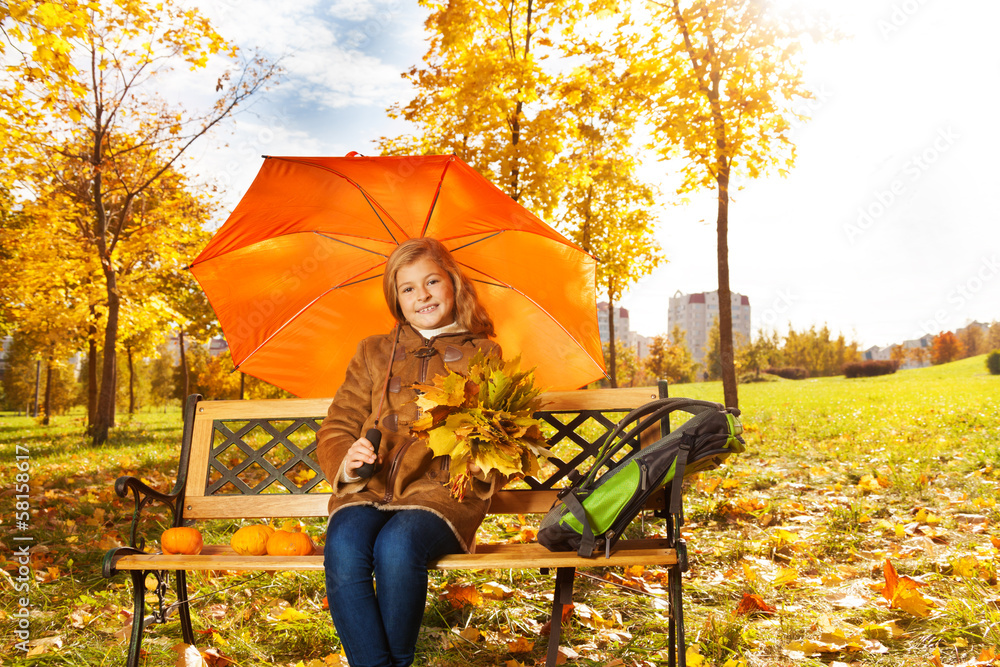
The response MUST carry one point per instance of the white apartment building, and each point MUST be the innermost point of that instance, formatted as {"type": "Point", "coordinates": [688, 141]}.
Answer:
{"type": "Point", "coordinates": [621, 322]}
{"type": "Point", "coordinates": [695, 313]}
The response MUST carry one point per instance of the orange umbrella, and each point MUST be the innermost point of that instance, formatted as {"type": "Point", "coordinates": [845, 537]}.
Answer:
{"type": "Point", "coordinates": [295, 273]}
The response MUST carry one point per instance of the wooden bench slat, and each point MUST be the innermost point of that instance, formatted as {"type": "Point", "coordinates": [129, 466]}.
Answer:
{"type": "Point", "coordinates": [280, 505]}
{"type": "Point", "coordinates": [294, 408]}
{"type": "Point", "coordinates": [503, 556]}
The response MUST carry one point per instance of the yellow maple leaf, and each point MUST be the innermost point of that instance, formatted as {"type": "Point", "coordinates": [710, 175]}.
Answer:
{"type": "Point", "coordinates": [693, 656]}
{"type": "Point", "coordinates": [520, 645]}
{"type": "Point", "coordinates": [461, 595]}
{"type": "Point", "coordinates": [496, 591]}
{"type": "Point", "coordinates": [291, 614]}
{"type": "Point", "coordinates": [902, 593]}
{"type": "Point", "coordinates": [785, 576]}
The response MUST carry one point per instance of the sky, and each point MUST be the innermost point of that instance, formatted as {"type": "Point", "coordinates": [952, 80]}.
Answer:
{"type": "Point", "coordinates": [885, 230]}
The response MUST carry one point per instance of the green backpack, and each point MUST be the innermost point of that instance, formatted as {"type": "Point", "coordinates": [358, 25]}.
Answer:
{"type": "Point", "coordinates": [593, 512]}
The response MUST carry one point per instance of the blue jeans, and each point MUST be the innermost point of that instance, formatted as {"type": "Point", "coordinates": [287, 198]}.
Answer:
{"type": "Point", "coordinates": [380, 629]}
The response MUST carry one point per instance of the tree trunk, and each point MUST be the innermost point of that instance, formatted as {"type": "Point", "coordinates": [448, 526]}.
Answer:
{"type": "Point", "coordinates": [114, 396]}
{"type": "Point", "coordinates": [725, 300]}
{"type": "Point", "coordinates": [184, 368]}
{"type": "Point", "coordinates": [611, 343]}
{"type": "Point", "coordinates": [515, 125]}
{"type": "Point", "coordinates": [38, 382]}
{"type": "Point", "coordinates": [91, 380]}
{"type": "Point", "coordinates": [106, 396]}
{"type": "Point", "coordinates": [48, 392]}
{"type": "Point", "coordinates": [131, 383]}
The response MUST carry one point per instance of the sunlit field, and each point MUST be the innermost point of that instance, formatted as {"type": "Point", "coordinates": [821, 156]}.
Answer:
{"type": "Point", "coordinates": [859, 528]}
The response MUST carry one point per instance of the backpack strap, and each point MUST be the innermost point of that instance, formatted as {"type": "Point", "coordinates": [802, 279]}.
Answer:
{"type": "Point", "coordinates": [587, 539]}
{"type": "Point", "coordinates": [676, 507]}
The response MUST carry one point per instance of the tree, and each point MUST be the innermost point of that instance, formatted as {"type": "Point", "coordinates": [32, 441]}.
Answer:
{"type": "Point", "coordinates": [161, 376]}
{"type": "Point", "coordinates": [532, 97]}
{"type": "Point", "coordinates": [993, 336]}
{"type": "Point", "coordinates": [215, 378]}
{"type": "Point", "coordinates": [918, 355]}
{"type": "Point", "coordinates": [762, 352]}
{"type": "Point", "coordinates": [713, 351]}
{"type": "Point", "coordinates": [727, 76]}
{"type": "Point", "coordinates": [485, 94]}
{"type": "Point", "coordinates": [898, 355]}
{"type": "Point", "coordinates": [19, 378]}
{"type": "Point", "coordinates": [606, 207]}
{"type": "Point", "coordinates": [670, 359]}
{"type": "Point", "coordinates": [47, 279]}
{"type": "Point", "coordinates": [628, 366]}
{"type": "Point", "coordinates": [973, 339]}
{"type": "Point", "coordinates": [945, 347]}
{"type": "Point", "coordinates": [817, 352]}
{"type": "Point", "coordinates": [103, 98]}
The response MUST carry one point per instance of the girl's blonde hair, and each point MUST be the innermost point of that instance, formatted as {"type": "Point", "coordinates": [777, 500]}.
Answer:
{"type": "Point", "coordinates": [469, 310]}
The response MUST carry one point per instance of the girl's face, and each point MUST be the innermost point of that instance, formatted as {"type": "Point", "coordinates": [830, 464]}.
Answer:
{"type": "Point", "coordinates": [426, 295]}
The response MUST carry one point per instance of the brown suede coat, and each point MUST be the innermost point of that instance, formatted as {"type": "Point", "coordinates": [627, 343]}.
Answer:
{"type": "Point", "coordinates": [409, 475]}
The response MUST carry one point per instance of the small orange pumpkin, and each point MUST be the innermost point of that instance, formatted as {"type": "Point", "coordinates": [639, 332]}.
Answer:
{"type": "Point", "coordinates": [181, 540]}
{"type": "Point", "coordinates": [285, 543]}
{"type": "Point", "coordinates": [251, 540]}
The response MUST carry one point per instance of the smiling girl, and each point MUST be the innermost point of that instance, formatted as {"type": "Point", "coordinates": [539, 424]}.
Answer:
{"type": "Point", "coordinates": [386, 528]}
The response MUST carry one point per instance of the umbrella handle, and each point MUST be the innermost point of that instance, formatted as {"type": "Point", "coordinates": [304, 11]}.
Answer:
{"type": "Point", "coordinates": [366, 470]}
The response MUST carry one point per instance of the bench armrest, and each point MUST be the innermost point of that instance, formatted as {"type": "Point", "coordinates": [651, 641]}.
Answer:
{"type": "Point", "coordinates": [144, 495]}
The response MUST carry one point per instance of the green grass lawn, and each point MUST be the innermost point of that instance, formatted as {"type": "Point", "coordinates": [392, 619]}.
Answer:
{"type": "Point", "coordinates": [789, 546]}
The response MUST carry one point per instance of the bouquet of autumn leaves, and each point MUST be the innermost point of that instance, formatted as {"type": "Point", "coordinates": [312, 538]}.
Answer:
{"type": "Point", "coordinates": [483, 418]}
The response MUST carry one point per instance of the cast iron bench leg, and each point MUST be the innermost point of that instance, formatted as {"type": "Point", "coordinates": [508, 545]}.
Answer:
{"type": "Point", "coordinates": [138, 617]}
{"type": "Point", "coordinates": [678, 656]}
{"type": "Point", "coordinates": [562, 596]}
{"type": "Point", "coordinates": [183, 608]}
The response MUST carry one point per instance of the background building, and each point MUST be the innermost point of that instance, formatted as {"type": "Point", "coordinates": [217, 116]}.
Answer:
{"type": "Point", "coordinates": [695, 313]}
{"type": "Point", "coordinates": [621, 323]}
{"type": "Point", "coordinates": [5, 342]}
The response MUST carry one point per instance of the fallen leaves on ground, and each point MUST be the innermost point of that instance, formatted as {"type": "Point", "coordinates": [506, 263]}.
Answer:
{"type": "Point", "coordinates": [902, 592]}
{"type": "Point", "coordinates": [462, 595]}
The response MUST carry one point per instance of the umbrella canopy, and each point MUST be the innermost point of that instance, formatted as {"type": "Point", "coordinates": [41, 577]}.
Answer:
{"type": "Point", "coordinates": [295, 273]}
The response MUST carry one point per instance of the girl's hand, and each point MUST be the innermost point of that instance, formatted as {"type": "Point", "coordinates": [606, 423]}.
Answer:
{"type": "Point", "coordinates": [360, 452]}
{"type": "Point", "coordinates": [476, 471]}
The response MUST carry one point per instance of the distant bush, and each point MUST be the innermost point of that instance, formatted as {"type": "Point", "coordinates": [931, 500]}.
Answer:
{"type": "Point", "coordinates": [866, 369]}
{"type": "Point", "coordinates": [993, 362]}
{"type": "Point", "coordinates": [789, 372]}
{"type": "Point", "coordinates": [750, 378]}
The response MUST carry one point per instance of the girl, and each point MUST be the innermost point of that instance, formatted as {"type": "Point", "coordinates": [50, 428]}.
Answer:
{"type": "Point", "coordinates": [392, 524]}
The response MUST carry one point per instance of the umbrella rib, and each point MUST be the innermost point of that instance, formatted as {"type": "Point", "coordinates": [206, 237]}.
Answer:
{"type": "Point", "coordinates": [437, 193]}
{"type": "Point", "coordinates": [368, 198]}
{"type": "Point", "coordinates": [471, 243]}
{"type": "Point", "coordinates": [502, 284]}
{"type": "Point", "coordinates": [349, 245]}
{"type": "Point", "coordinates": [296, 315]}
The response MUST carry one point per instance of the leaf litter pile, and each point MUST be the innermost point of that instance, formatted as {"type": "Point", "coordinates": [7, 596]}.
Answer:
{"type": "Point", "coordinates": [860, 528]}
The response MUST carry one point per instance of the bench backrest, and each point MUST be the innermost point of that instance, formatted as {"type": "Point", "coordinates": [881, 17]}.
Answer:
{"type": "Point", "coordinates": [254, 459]}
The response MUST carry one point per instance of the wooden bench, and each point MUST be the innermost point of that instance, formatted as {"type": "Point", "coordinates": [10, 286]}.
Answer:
{"type": "Point", "coordinates": [253, 460]}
